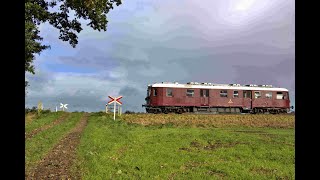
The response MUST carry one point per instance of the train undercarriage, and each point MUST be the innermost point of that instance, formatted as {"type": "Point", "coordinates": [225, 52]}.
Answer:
{"type": "Point", "coordinates": [214, 110]}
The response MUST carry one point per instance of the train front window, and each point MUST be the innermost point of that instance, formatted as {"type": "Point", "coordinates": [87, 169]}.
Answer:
{"type": "Point", "coordinates": [190, 92]}
{"type": "Point", "coordinates": [154, 92]}
{"type": "Point", "coordinates": [285, 95]}
{"type": "Point", "coordinates": [169, 92]}
{"type": "Point", "coordinates": [148, 92]}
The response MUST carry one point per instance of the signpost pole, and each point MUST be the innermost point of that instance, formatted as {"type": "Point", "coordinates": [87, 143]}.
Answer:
{"type": "Point", "coordinates": [114, 111]}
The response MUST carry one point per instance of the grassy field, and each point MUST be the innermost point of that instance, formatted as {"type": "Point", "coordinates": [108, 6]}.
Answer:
{"type": "Point", "coordinates": [188, 147]}
{"type": "Point", "coordinates": [155, 146]}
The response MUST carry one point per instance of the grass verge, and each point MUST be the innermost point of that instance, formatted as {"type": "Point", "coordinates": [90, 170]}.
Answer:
{"type": "Point", "coordinates": [37, 147]}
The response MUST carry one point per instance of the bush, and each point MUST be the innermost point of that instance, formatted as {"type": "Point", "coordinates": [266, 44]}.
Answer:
{"type": "Point", "coordinates": [46, 111]}
{"type": "Point", "coordinates": [31, 110]}
{"type": "Point", "coordinates": [129, 112]}
{"type": "Point", "coordinates": [100, 113]}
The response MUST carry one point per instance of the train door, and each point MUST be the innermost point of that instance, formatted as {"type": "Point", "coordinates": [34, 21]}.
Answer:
{"type": "Point", "coordinates": [169, 99]}
{"type": "Point", "coordinates": [247, 100]}
{"type": "Point", "coordinates": [257, 100]}
{"type": "Point", "coordinates": [204, 97]}
{"type": "Point", "coordinates": [154, 96]}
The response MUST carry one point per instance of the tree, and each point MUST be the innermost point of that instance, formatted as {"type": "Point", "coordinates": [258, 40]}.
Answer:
{"type": "Point", "coordinates": [37, 12]}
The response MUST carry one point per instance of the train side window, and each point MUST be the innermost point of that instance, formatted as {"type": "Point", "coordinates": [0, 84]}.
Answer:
{"type": "Point", "coordinates": [223, 93]}
{"type": "Point", "coordinates": [155, 92]}
{"type": "Point", "coordinates": [268, 95]}
{"type": "Point", "coordinates": [169, 92]}
{"type": "Point", "coordinates": [257, 94]}
{"type": "Point", "coordinates": [235, 94]}
{"type": "Point", "coordinates": [279, 95]}
{"type": "Point", "coordinates": [190, 92]}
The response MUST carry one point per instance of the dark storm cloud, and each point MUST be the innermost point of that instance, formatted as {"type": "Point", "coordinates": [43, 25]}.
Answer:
{"type": "Point", "coordinates": [132, 100]}
{"type": "Point", "coordinates": [273, 75]}
{"type": "Point", "coordinates": [278, 75]}
{"type": "Point", "coordinates": [90, 56]}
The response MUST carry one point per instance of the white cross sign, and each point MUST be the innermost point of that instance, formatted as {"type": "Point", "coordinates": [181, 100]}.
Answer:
{"type": "Point", "coordinates": [115, 100]}
{"type": "Point", "coordinates": [63, 106]}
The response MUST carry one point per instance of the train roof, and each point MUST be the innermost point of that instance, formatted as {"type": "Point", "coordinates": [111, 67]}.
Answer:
{"type": "Point", "coordinates": [197, 85]}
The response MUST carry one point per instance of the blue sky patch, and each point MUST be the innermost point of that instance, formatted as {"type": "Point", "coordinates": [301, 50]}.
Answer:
{"type": "Point", "coordinates": [68, 68]}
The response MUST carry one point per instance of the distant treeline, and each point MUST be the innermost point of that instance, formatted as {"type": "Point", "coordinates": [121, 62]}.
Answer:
{"type": "Point", "coordinates": [34, 109]}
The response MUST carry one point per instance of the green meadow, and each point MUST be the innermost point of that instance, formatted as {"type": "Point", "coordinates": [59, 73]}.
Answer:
{"type": "Point", "coordinates": [121, 150]}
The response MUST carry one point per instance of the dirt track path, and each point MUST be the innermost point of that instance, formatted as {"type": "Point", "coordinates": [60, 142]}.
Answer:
{"type": "Point", "coordinates": [58, 162]}
{"type": "Point", "coordinates": [45, 127]}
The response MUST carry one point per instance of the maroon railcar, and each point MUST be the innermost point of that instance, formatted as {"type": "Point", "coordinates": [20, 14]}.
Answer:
{"type": "Point", "coordinates": [216, 98]}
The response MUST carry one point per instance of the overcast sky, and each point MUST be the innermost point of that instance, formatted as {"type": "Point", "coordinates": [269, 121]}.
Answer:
{"type": "Point", "coordinates": [148, 41]}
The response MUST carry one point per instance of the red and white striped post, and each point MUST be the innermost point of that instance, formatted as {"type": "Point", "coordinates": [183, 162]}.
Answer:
{"type": "Point", "coordinates": [115, 100]}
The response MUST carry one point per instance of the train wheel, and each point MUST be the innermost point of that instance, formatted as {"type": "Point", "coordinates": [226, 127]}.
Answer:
{"type": "Point", "coordinates": [165, 111]}
{"type": "Point", "coordinates": [179, 111]}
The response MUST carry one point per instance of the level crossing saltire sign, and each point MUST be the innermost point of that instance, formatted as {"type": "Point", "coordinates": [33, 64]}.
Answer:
{"type": "Point", "coordinates": [115, 101]}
